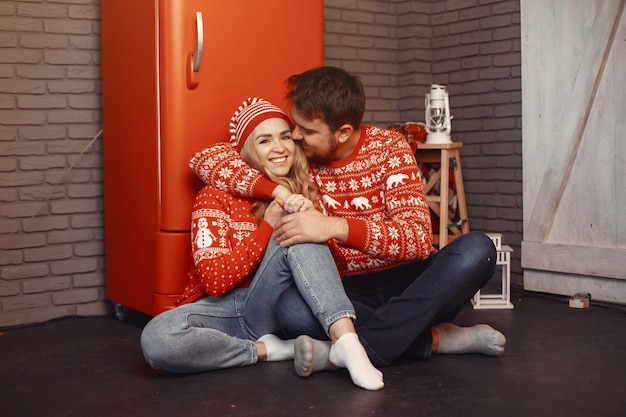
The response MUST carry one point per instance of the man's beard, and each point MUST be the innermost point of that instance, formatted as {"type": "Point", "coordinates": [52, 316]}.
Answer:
{"type": "Point", "coordinates": [326, 158]}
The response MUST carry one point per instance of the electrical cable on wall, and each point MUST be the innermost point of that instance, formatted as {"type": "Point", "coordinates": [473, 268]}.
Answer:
{"type": "Point", "coordinates": [54, 187]}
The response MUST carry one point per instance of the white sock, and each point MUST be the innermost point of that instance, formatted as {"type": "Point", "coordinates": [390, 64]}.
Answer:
{"type": "Point", "coordinates": [347, 352]}
{"type": "Point", "coordinates": [311, 355]}
{"type": "Point", "coordinates": [277, 348]}
{"type": "Point", "coordinates": [481, 338]}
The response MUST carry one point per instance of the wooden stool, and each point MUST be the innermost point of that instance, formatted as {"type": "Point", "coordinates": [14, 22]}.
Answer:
{"type": "Point", "coordinates": [447, 155]}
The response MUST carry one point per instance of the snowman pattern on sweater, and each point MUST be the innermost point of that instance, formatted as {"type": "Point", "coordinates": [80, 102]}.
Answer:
{"type": "Point", "coordinates": [204, 236]}
{"type": "Point", "coordinates": [226, 243]}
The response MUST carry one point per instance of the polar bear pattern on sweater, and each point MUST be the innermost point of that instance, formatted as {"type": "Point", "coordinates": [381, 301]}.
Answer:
{"type": "Point", "coordinates": [396, 180]}
{"type": "Point", "coordinates": [330, 202]}
{"type": "Point", "coordinates": [361, 203]}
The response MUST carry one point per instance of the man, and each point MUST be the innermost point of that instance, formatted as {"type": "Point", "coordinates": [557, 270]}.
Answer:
{"type": "Point", "coordinates": [377, 223]}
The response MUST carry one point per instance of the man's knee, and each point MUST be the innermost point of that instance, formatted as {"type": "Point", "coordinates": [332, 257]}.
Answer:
{"type": "Point", "coordinates": [479, 246]}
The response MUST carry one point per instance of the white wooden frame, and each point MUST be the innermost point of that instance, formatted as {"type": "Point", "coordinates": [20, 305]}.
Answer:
{"type": "Point", "coordinates": [501, 300]}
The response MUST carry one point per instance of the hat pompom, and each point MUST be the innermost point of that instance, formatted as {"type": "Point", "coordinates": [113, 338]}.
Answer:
{"type": "Point", "coordinates": [249, 115]}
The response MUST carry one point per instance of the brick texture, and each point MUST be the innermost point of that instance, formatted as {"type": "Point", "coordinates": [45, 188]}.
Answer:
{"type": "Point", "coordinates": [51, 219]}
{"type": "Point", "coordinates": [472, 47]}
{"type": "Point", "coordinates": [51, 241]}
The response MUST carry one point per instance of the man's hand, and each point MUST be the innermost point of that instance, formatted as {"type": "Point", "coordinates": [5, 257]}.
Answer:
{"type": "Point", "coordinates": [309, 226]}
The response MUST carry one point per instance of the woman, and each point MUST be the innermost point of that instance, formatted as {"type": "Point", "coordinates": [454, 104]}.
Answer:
{"type": "Point", "coordinates": [226, 315]}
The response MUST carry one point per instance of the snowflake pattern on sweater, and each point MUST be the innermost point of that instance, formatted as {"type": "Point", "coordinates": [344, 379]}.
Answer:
{"type": "Point", "coordinates": [378, 190]}
{"type": "Point", "coordinates": [226, 244]}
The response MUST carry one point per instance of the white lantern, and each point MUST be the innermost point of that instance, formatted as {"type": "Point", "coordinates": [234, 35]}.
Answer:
{"type": "Point", "coordinates": [438, 115]}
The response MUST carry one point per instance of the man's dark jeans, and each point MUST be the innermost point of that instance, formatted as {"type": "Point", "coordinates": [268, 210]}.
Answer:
{"type": "Point", "coordinates": [397, 308]}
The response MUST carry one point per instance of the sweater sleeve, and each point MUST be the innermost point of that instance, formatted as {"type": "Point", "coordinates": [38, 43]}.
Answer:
{"type": "Point", "coordinates": [227, 246]}
{"type": "Point", "coordinates": [396, 226]}
{"type": "Point", "coordinates": [221, 166]}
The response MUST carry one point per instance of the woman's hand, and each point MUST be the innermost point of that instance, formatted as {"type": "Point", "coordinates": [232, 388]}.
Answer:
{"type": "Point", "coordinates": [273, 213]}
{"type": "Point", "coordinates": [281, 192]}
{"type": "Point", "coordinates": [295, 203]}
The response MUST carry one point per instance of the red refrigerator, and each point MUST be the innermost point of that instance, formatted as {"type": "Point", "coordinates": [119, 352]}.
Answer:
{"type": "Point", "coordinates": [173, 72]}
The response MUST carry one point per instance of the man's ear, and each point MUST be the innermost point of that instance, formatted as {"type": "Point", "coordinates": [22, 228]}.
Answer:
{"type": "Point", "coordinates": [344, 132]}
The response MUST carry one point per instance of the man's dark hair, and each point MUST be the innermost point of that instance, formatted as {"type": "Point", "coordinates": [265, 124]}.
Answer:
{"type": "Point", "coordinates": [328, 93]}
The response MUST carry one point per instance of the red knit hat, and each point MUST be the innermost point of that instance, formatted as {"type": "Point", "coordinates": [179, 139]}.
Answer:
{"type": "Point", "coordinates": [248, 116]}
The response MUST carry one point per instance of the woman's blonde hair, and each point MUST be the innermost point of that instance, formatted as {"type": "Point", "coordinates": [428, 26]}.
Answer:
{"type": "Point", "coordinates": [298, 181]}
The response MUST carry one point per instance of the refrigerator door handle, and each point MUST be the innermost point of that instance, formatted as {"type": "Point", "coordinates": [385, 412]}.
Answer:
{"type": "Point", "coordinates": [200, 44]}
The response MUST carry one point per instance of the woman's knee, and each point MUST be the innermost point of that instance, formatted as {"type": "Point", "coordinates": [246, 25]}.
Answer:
{"type": "Point", "coordinates": [156, 344]}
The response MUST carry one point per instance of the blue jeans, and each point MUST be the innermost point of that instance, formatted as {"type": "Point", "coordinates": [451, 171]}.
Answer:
{"type": "Point", "coordinates": [396, 308]}
{"type": "Point", "coordinates": [219, 332]}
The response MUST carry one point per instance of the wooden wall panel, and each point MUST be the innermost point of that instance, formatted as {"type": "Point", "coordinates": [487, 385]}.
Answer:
{"type": "Point", "coordinates": [573, 95]}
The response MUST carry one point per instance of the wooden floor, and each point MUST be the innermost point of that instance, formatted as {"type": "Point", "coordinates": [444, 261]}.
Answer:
{"type": "Point", "coordinates": [559, 361]}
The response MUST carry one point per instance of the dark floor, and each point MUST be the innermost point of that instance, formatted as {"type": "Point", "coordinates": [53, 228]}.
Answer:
{"type": "Point", "coordinates": [559, 361]}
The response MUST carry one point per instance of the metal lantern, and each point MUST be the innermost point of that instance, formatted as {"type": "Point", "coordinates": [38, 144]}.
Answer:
{"type": "Point", "coordinates": [438, 115]}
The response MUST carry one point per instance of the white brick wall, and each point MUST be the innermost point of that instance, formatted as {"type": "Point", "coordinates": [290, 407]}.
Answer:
{"type": "Point", "coordinates": [51, 237]}
{"type": "Point", "coordinates": [51, 226]}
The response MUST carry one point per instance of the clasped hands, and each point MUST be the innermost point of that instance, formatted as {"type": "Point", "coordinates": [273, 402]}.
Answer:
{"type": "Point", "coordinates": [300, 222]}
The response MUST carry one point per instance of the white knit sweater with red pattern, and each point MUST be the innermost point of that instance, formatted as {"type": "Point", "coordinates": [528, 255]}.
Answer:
{"type": "Point", "coordinates": [377, 189]}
